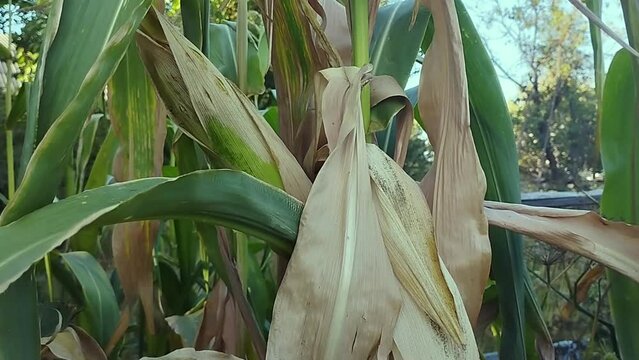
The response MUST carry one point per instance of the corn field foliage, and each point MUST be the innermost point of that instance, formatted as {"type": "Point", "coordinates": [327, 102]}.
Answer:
{"type": "Point", "coordinates": [191, 188]}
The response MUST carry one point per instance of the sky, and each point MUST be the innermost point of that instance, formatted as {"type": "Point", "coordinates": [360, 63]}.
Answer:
{"type": "Point", "coordinates": [507, 54]}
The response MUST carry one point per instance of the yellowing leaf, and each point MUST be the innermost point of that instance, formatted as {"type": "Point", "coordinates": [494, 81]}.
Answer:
{"type": "Point", "coordinates": [339, 298]}
{"type": "Point", "coordinates": [613, 244]}
{"type": "Point", "coordinates": [213, 111]}
{"type": "Point", "coordinates": [456, 184]}
{"type": "Point", "coordinates": [139, 121]}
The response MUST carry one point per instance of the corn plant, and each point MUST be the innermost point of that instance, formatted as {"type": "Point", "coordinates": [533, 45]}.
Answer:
{"type": "Point", "coordinates": [209, 227]}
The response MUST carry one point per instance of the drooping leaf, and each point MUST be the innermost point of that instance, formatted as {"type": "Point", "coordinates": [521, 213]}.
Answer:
{"type": "Point", "coordinates": [75, 344]}
{"type": "Point", "coordinates": [139, 121]}
{"type": "Point", "coordinates": [613, 244]}
{"type": "Point", "coordinates": [186, 326]}
{"type": "Point", "coordinates": [494, 139]}
{"type": "Point", "coordinates": [339, 297]}
{"type": "Point", "coordinates": [223, 197]}
{"type": "Point", "coordinates": [192, 354]}
{"type": "Point", "coordinates": [620, 199]}
{"type": "Point", "coordinates": [389, 102]}
{"type": "Point", "coordinates": [456, 185]}
{"type": "Point", "coordinates": [213, 112]}
{"type": "Point", "coordinates": [100, 307]}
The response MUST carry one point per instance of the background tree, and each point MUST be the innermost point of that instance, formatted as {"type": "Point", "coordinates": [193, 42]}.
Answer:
{"type": "Point", "coordinates": [554, 114]}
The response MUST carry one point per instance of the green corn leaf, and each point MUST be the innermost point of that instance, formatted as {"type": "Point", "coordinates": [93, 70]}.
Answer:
{"type": "Point", "coordinates": [85, 147]}
{"type": "Point", "coordinates": [86, 279]}
{"type": "Point", "coordinates": [495, 142]}
{"type": "Point", "coordinates": [223, 49]}
{"type": "Point", "coordinates": [394, 47]}
{"type": "Point", "coordinates": [82, 45]}
{"type": "Point", "coordinates": [195, 22]}
{"type": "Point", "coordinates": [33, 105]}
{"type": "Point", "coordinates": [103, 161]}
{"type": "Point", "coordinates": [396, 41]}
{"type": "Point", "coordinates": [20, 330]}
{"type": "Point", "coordinates": [222, 197]}
{"type": "Point", "coordinates": [87, 238]}
{"type": "Point", "coordinates": [90, 42]}
{"type": "Point", "coordinates": [186, 237]}
{"type": "Point", "coordinates": [620, 198]}
{"type": "Point", "coordinates": [213, 112]}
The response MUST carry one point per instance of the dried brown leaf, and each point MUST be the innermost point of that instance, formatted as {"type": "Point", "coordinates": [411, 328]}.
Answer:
{"type": "Point", "coordinates": [614, 244]}
{"type": "Point", "coordinates": [456, 185]}
{"type": "Point", "coordinates": [337, 30]}
{"type": "Point", "coordinates": [133, 259]}
{"type": "Point", "coordinates": [585, 283]}
{"type": "Point", "coordinates": [339, 298]}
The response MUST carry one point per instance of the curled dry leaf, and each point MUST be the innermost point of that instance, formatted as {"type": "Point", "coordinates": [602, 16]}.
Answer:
{"type": "Point", "coordinates": [613, 244]}
{"type": "Point", "coordinates": [455, 186]}
{"type": "Point", "coordinates": [337, 30]}
{"type": "Point", "coordinates": [192, 354]}
{"type": "Point", "coordinates": [339, 298]}
{"type": "Point", "coordinates": [213, 111]}
{"type": "Point", "coordinates": [432, 323]}
{"type": "Point", "coordinates": [75, 344]}
{"type": "Point", "coordinates": [388, 100]}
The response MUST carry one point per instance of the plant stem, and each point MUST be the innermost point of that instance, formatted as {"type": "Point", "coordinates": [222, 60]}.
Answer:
{"type": "Point", "coordinates": [242, 43]}
{"type": "Point", "coordinates": [235, 288]}
{"type": "Point", "coordinates": [7, 111]}
{"type": "Point", "coordinates": [10, 166]}
{"type": "Point", "coordinates": [359, 38]}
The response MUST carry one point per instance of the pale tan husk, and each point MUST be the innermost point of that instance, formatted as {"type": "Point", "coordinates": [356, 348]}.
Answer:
{"type": "Point", "coordinates": [407, 230]}
{"type": "Point", "coordinates": [455, 186]}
